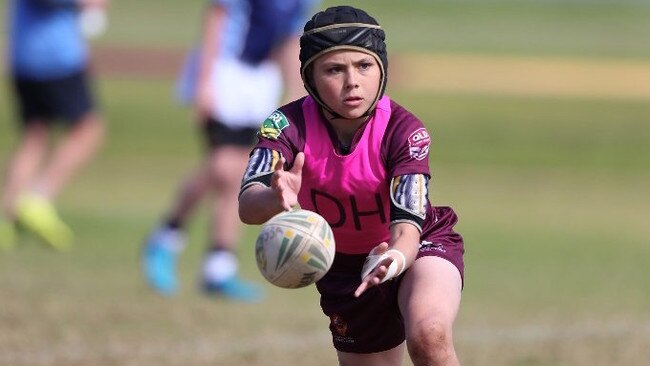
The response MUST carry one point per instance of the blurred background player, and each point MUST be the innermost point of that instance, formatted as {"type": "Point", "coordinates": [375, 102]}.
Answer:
{"type": "Point", "coordinates": [248, 54]}
{"type": "Point", "coordinates": [49, 68]}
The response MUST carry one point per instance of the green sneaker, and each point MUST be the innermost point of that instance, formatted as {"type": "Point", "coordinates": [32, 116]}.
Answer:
{"type": "Point", "coordinates": [39, 216]}
{"type": "Point", "coordinates": [7, 235]}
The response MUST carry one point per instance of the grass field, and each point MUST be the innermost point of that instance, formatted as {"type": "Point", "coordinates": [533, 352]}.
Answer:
{"type": "Point", "coordinates": [551, 189]}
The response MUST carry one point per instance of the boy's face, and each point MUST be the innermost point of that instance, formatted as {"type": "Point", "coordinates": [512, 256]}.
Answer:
{"type": "Point", "coordinates": [347, 81]}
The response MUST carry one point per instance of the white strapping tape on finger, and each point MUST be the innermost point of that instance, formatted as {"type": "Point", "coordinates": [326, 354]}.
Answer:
{"type": "Point", "coordinates": [393, 268]}
{"type": "Point", "coordinates": [373, 260]}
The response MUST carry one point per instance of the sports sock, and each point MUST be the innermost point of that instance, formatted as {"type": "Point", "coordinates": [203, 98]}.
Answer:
{"type": "Point", "coordinates": [219, 265]}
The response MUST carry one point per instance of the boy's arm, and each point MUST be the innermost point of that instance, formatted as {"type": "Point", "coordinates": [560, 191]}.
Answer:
{"type": "Point", "coordinates": [259, 202]}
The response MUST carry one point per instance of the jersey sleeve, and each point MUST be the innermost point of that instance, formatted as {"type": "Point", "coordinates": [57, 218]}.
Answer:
{"type": "Point", "coordinates": [279, 136]}
{"type": "Point", "coordinates": [259, 170]}
{"type": "Point", "coordinates": [283, 132]}
{"type": "Point", "coordinates": [407, 148]}
{"type": "Point", "coordinates": [407, 160]}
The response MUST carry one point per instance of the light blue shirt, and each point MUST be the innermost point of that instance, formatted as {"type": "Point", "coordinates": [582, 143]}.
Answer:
{"type": "Point", "coordinates": [45, 39]}
{"type": "Point", "coordinates": [253, 27]}
{"type": "Point", "coordinates": [241, 40]}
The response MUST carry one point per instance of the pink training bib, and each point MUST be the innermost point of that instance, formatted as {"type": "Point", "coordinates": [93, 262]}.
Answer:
{"type": "Point", "coordinates": [351, 192]}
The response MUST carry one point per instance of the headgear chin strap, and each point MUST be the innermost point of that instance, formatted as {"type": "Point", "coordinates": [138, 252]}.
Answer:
{"type": "Point", "coordinates": [342, 28]}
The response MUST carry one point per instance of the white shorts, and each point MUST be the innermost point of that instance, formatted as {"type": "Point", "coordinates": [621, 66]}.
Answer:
{"type": "Point", "coordinates": [244, 95]}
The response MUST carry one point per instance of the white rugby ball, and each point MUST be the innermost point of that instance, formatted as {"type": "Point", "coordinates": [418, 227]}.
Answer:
{"type": "Point", "coordinates": [295, 248]}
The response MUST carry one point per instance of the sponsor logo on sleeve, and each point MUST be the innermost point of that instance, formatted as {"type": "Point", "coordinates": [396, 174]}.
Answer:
{"type": "Point", "coordinates": [419, 142]}
{"type": "Point", "coordinates": [273, 125]}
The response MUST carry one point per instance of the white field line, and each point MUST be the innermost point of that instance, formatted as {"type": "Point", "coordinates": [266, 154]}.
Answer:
{"type": "Point", "coordinates": [203, 350]}
{"type": "Point", "coordinates": [525, 76]}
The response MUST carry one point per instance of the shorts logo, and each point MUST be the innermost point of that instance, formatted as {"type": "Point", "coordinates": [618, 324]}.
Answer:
{"type": "Point", "coordinates": [419, 142]}
{"type": "Point", "coordinates": [273, 126]}
{"type": "Point", "coordinates": [428, 246]}
{"type": "Point", "coordinates": [339, 325]}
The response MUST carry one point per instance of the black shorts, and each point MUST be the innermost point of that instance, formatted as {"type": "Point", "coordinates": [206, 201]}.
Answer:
{"type": "Point", "coordinates": [219, 134]}
{"type": "Point", "coordinates": [373, 322]}
{"type": "Point", "coordinates": [66, 99]}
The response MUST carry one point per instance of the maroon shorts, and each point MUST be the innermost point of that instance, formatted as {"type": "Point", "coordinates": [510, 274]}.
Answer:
{"type": "Point", "coordinates": [373, 322]}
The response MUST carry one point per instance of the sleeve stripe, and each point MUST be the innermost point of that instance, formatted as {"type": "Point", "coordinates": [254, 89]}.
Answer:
{"type": "Point", "coordinates": [261, 162]}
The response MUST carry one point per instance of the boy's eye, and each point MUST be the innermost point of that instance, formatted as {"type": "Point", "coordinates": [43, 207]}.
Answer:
{"type": "Point", "coordinates": [365, 65]}
{"type": "Point", "coordinates": [334, 69]}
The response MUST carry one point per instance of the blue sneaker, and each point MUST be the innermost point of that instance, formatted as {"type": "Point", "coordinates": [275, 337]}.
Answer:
{"type": "Point", "coordinates": [219, 277]}
{"type": "Point", "coordinates": [159, 259]}
{"type": "Point", "coordinates": [234, 289]}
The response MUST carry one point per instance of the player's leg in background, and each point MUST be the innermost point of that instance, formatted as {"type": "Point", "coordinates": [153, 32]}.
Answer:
{"type": "Point", "coordinates": [429, 298]}
{"type": "Point", "coordinates": [168, 239]}
{"type": "Point", "coordinates": [227, 166]}
{"type": "Point", "coordinates": [21, 169]}
{"type": "Point", "coordinates": [189, 195]}
{"type": "Point", "coordinates": [220, 265]}
{"type": "Point", "coordinates": [68, 100]}
{"type": "Point", "coordinates": [74, 150]}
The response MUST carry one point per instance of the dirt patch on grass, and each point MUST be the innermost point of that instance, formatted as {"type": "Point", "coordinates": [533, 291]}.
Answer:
{"type": "Point", "coordinates": [145, 63]}
{"type": "Point", "coordinates": [476, 74]}
{"type": "Point", "coordinates": [559, 77]}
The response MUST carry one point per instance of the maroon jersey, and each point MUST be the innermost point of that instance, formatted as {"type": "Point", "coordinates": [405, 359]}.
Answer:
{"type": "Point", "coordinates": [404, 154]}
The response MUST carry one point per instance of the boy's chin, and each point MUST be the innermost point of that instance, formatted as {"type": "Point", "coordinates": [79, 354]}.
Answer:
{"type": "Point", "coordinates": [351, 114]}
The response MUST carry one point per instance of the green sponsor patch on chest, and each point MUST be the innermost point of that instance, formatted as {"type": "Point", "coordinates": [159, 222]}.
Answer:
{"type": "Point", "coordinates": [273, 125]}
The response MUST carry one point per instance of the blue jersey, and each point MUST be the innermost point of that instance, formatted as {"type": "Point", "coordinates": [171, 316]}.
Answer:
{"type": "Point", "coordinates": [45, 39]}
{"type": "Point", "coordinates": [251, 30]}
{"type": "Point", "coordinates": [254, 27]}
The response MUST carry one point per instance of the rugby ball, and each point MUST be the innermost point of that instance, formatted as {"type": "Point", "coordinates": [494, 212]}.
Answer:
{"type": "Point", "coordinates": [295, 248]}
